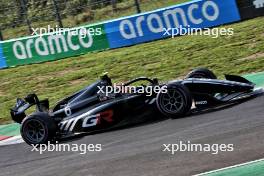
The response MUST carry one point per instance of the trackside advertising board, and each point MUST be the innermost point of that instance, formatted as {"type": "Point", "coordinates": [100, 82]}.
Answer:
{"type": "Point", "coordinates": [2, 58]}
{"type": "Point", "coordinates": [52, 47]}
{"type": "Point", "coordinates": [250, 8]}
{"type": "Point", "coordinates": [128, 31]}
{"type": "Point", "coordinates": [150, 26]}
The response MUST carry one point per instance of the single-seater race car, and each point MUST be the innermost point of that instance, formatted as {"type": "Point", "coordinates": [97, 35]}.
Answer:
{"type": "Point", "coordinates": [91, 109]}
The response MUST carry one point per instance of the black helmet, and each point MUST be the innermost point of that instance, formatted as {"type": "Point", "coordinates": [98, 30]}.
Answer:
{"type": "Point", "coordinates": [104, 77]}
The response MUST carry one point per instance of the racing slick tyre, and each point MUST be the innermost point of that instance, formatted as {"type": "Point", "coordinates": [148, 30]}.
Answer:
{"type": "Point", "coordinates": [201, 73]}
{"type": "Point", "coordinates": [176, 102]}
{"type": "Point", "coordinates": [38, 128]}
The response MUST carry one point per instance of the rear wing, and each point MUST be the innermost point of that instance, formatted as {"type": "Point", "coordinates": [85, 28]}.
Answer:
{"type": "Point", "coordinates": [18, 111]}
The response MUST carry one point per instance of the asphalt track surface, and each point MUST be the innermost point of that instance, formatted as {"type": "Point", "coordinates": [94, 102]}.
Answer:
{"type": "Point", "coordinates": [138, 151]}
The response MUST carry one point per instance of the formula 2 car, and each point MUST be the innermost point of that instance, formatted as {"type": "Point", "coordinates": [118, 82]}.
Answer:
{"type": "Point", "coordinates": [90, 109]}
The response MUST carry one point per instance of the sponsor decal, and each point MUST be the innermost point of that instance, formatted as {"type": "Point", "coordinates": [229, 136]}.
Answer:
{"type": "Point", "coordinates": [150, 26]}
{"type": "Point", "coordinates": [87, 119]}
{"type": "Point", "coordinates": [53, 46]}
{"type": "Point", "coordinates": [201, 102]}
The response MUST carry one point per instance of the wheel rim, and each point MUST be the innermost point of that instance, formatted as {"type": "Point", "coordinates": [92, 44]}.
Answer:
{"type": "Point", "coordinates": [172, 101]}
{"type": "Point", "coordinates": [34, 131]}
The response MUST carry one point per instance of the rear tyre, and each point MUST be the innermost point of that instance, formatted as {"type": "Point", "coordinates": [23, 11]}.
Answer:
{"type": "Point", "coordinates": [38, 128]}
{"type": "Point", "coordinates": [176, 102]}
{"type": "Point", "coordinates": [201, 73]}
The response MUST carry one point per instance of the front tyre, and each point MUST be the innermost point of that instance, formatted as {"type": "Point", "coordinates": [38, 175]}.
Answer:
{"type": "Point", "coordinates": [38, 128]}
{"type": "Point", "coordinates": [176, 102]}
{"type": "Point", "coordinates": [201, 73]}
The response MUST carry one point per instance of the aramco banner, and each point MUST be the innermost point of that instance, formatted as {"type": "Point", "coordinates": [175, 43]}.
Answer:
{"type": "Point", "coordinates": [127, 31]}
{"type": "Point", "coordinates": [54, 46]}
{"type": "Point", "coordinates": [150, 26]}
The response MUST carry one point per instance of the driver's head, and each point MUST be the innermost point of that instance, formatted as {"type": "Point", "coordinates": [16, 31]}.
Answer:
{"type": "Point", "coordinates": [106, 79]}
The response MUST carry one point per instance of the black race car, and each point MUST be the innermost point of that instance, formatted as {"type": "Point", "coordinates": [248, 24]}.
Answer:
{"type": "Point", "coordinates": [91, 109]}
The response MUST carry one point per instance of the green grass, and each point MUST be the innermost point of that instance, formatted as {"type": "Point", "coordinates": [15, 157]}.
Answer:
{"type": "Point", "coordinates": [166, 59]}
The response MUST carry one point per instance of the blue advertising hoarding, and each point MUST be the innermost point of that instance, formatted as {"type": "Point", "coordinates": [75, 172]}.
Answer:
{"type": "Point", "coordinates": [2, 58]}
{"type": "Point", "coordinates": [152, 25]}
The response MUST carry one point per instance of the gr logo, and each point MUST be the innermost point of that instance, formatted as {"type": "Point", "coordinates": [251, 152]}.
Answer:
{"type": "Point", "coordinates": [87, 121]}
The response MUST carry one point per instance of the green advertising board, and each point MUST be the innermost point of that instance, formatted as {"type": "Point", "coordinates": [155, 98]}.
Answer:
{"type": "Point", "coordinates": [55, 46]}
